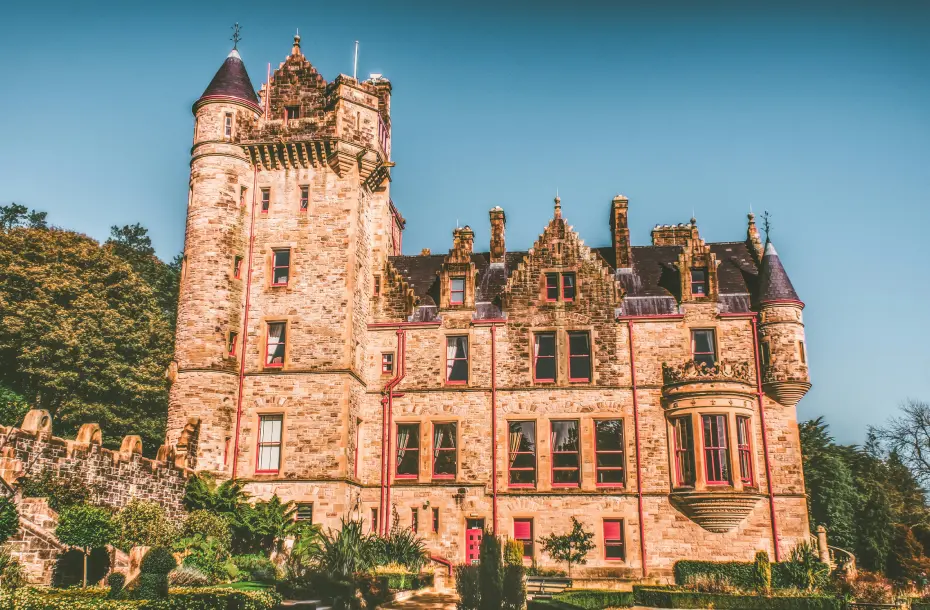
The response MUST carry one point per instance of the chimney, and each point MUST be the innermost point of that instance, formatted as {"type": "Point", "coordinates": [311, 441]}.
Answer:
{"type": "Point", "coordinates": [620, 231]}
{"type": "Point", "coordinates": [498, 224]}
{"type": "Point", "coordinates": [463, 240]}
{"type": "Point", "coordinates": [753, 240]}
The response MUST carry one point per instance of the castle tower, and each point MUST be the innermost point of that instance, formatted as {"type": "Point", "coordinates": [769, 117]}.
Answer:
{"type": "Point", "coordinates": [781, 329]}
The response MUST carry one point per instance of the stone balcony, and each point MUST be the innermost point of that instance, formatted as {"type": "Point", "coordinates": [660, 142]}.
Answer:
{"type": "Point", "coordinates": [729, 380]}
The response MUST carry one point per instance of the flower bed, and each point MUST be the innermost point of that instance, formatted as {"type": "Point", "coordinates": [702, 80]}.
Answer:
{"type": "Point", "coordinates": [201, 598]}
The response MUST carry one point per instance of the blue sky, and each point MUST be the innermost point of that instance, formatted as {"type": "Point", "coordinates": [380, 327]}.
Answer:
{"type": "Point", "coordinates": [819, 113]}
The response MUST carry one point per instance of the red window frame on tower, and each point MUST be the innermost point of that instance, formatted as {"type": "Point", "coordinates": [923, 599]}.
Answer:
{"type": "Point", "coordinates": [705, 354]}
{"type": "Point", "coordinates": [683, 432]}
{"type": "Point", "coordinates": [539, 358]}
{"type": "Point", "coordinates": [566, 452]}
{"type": "Point", "coordinates": [523, 531]}
{"type": "Point", "coordinates": [304, 198]}
{"type": "Point", "coordinates": [228, 125]}
{"type": "Point", "coordinates": [232, 342]}
{"type": "Point", "coordinates": [445, 444]}
{"type": "Point", "coordinates": [614, 547]}
{"type": "Point", "coordinates": [411, 444]}
{"type": "Point", "coordinates": [569, 287]}
{"type": "Point", "coordinates": [579, 357]}
{"type": "Point", "coordinates": [609, 464]}
{"type": "Point", "coordinates": [744, 446]}
{"type": "Point", "coordinates": [268, 447]}
{"type": "Point", "coordinates": [699, 282]}
{"type": "Point", "coordinates": [280, 260]}
{"type": "Point", "coordinates": [716, 449]}
{"type": "Point", "coordinates": [275, 345]}
{"type": "Point", "coordinates": [516, 437]}
{"type": "Point", "coordinates": [237, 267]}
{"type": "Point", "coordinates": [552, 287]}
{"type": "Point", "coordinates": [266, 200]}
{"type": "Point", "coordinates": [457, 290]}
{"type": "Point", "coordinates": [387, 363]}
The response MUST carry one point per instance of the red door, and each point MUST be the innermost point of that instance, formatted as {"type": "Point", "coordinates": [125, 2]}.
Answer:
{"type": "Point", "coordinates": [474, 530]}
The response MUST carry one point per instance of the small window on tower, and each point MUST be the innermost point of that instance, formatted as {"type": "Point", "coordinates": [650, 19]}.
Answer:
{"type": "Point", "coordinates": [568, 286]}
{"type": "Point", "coordinates": [228, 125]}
{"type": "Point", "coordinates": [698, 282]}
{"type": "Point", "coordinates": [765, 356]}
{"type": "Point", "coordinates": [280, 267]}
{"type": "Point", "coordinates": [435, 520]}
{"type": "Point", "coordinates": [552, 286]}
{"type": "Point", "coordinates": [292, 113]}
{"type": "Point", "coordinates": [387, 363]}
{"type": "Point", "coordinates": [243, 190]}
{"type": "Point", "coordinates": [802, 352]}
{"type": "Point", "coordinates": [304, 198]}
{"type": "Point", "coordinates": [377, 286]}
{"type": "Point", "coordinates": [276, 344]}
{"type": "Point", "coordinates": [266, 200]}
{"type": "Point", "coordinates": [231, 342]}
{"type": "Point", "coordinates": [237, 267]}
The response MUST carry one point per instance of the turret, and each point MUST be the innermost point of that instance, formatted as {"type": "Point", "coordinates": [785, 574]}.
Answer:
{"type": "Point", "coordinates": [781, 333]}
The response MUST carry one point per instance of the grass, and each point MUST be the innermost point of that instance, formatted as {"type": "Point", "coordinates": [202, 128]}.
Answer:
{"type": "Point", "coordinates": [246, 585]}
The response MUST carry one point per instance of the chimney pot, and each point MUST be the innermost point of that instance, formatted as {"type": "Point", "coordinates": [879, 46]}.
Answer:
{"type": "Point", "coordinates": [620, 231]}
{"type": "Point", "coordinates": [498, 224]}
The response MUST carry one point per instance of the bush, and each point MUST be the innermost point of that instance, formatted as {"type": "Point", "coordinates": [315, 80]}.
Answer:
{"type": "Point", "coordinates": [206, 598]}
{"type": "Point", "coordinates": [671, 598]}
{"type": "Point", "coordinates": [710, 583]}
{"type": "Point", "coordinates": [9, 519]}
{"type": "Point", "coordinates": [158, 560]}
{"type": "Point", "coordinates": [490, 572]}
{"type": "Point", "coordinates": [403, 546]}
{"type": "Point", "coordinates": [742, 574]}
{"type": "Point", "coordinates": [595, 600]}
{"type": "Point", "coordinates": [468, 587]}
{"type": "Point", "coordinates": [142, 523]}
{"type": "Point", "coordinates": [189, 576]}
{"type": "Point", "coordinates": [762, 573]}
{"type": "Point", "coordinates": [804, 570]}
{"type": "Point", "coordinates": [513, 552]}
{"type": "Point", "coordinates": [116, 581]}
{"type": "Point", "coordinates": [205, 524]}
{"type": "Point", "coordinates": [871, 588]}
{"type": "Point", "coordinates": [12, 573]}
{"type": "Point", "coordinates": [151, 586]}
{"type": "Point", "coordinates": [61, 493]}
{"type": "Point", "coordinates": [513, 587]}
{"type": "Point", "coordinates": [256, 568]}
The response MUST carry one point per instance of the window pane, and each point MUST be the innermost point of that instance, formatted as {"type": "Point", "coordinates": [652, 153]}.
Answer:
{"type": "Point", "coordinates": [552, 286]}
{"type": "Point", "coordinates": [523, 460]}
{"type": "Point", "coordinates": [703, 341]}
{"type": "Point", "coordinates": [545, 344]}
{"type": "Point", "coordinates": [610, 460]}
{"type": "Point", "coordinates": [684, 451]}
{"type": "Point", "coordinates": [444, 463]}
{"type": "Point", "coordinates": [614, 551]}
{"type": "Point", "coordinates": [579, 352]}
{"type": "Point", "coordinates": [609, 435]}
{"type": "Point", "coordinates": [611, 477]}
{"type": "Point", "coordinates": [408, 444]}
{"type": "Point", "coordinates": [565, 435]}
{"type": "Point", "coordinates": [568, 286]}
{"type": "Point", "coordinates": [564, 477]}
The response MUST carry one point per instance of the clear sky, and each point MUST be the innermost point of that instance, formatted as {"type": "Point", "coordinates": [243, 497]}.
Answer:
{"type": "Point", "coordinates": [819, 113]}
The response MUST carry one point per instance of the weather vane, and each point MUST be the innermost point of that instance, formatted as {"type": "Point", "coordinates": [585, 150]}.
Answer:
{"type": "Point", "coordinates": [236, 36]}
{"type": "Point", "coordinates": [766, 224]}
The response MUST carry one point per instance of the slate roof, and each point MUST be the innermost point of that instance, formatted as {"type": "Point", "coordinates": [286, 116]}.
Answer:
{"type": "Point", "coordinates": [231, 81]}
{"type": "Point", "coordinates": [774, 284]}
{"type": "Point", "coordinates": [652, 285]}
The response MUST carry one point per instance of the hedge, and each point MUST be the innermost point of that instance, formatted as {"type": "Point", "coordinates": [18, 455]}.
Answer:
{"type": "Point", "coordinates": [200, 598]}
{"type": "Point", "coordinates": [741, 574]}
{"type": "Point", "coordinates": [405, 582]}
{"type": "Point", "coordinates": [920, 605]}
{"type": "Point", "coordinates": [595, 600]}
{"type": "Point", "coordinates": [669, 598]}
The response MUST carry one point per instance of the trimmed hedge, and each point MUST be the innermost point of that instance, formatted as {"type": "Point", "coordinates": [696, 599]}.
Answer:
{"type": "Point", "coordinates": [741, 574]}
{"type": "Point", "coordinates": [669, 598]}
{"type": "Point", "coordinates": [406, 582]}
{"type": "Point", "coordinates": [591, 599]}
{"type": "Point", "coordinates": [201, 598]}
{"type": "Point", "coordinates": [920, 605]}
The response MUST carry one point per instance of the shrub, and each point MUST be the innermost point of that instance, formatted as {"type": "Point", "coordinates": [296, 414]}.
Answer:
{"type": "Point", "coordinates": [671, 598]}
{"type": "Point", "coordinates": [61, 493]}
{"type": "Point", "coordinates": [468, 588]}
{"type": "Point", "coordinates": [205, 524]}
{"type": "Point", "coordinates": [12, 573]}
{"type": "Point", "coordinates": [116, 581]}
{"type": "Point", "coordinates": [804, 570]}
{"type": "Point", "coordinates": [204, 598]}
{"type": "Point", "coordinates": [762, 573]}
{"type": "Point", "coordinates": [189, 576]}
{"type": "Point", "coordinates": [513, 552]}
{"type": "Point", "coordinates": [513, 587]}
{"type": "Point", "coordinates": [596, 600]}
{"type": "Point", "coordinates": [871, 588]}
{"type": "Point", "coordinates": [86, 527]}
{"type": "Point", "coordinates": [710, 583]}
{"type": "Point", "coordinates": [490, 574]}
{"type": "Point", "coordinates": [257, 568]}
{"type": "Point", "coordinates": [9, 519]}
{"type": "Point", "coordinates": [152, 586]}
{"type": "Point", "coordinates": [210, 557]}
{"type": "Point", "coordinates": [142, 523]}
{"type": "Point", "coordinates": [159, 560]}
{"type": "Point", "coordinates": [742, 574]}
{"type": "Point", "coordinates": [535, 570]}
{"type": "Point", "coordinates": [403, 546]}
{"type": "Point", "coordinates": [570, 548]}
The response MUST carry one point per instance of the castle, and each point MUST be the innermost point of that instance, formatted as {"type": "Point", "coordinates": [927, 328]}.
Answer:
{"type": "Point", "coordinates": [649, 391]}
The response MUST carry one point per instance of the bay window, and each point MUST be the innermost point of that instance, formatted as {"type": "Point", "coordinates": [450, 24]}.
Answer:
{"type": "Point", "coordinates": [456, 360]}
{"type": "Point", "coordinates": [544, 357]}
{"type": "Point", "coordinates": [522, 454]}
{"type": "Point", "coordinates": [523, 532]}
{"type": "Point", "coordinates": [445, 453]}
{"type": "Point", "coordinates": [579, 356]}
{"type": "Point", "coordinates": [743, 432]}
{"type": "Point", "coordinates": [269, 444]}
{"type": "Point", "coordinates": [703, 347]}
{"type": "Point", "coordinates": [275, 344]}
{"type": "Point", "coordinates": [716, 452]}
{"type": "Point", "coordinates": [408, 451]}
{"type": "Point", "coordinates": [684, 451]}
{"type": "Point", "coordinates": [565, 459]}
{"type": "Point", "coordinates": [608, 452]}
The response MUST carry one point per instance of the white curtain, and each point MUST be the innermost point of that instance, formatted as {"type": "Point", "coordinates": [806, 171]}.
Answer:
{"type": "Point", "coordinates": [450, 355]}
{"type": "Point", "coordinates": [437, 437]}
{"type": "Point", "coordinates": [275, 343]}
{"type": "Point", "coordinates": [516, 436]}
{"type": "Point", "coordinates": [556, 436]}
{"type": "Point", "coordinates": [403, 438]}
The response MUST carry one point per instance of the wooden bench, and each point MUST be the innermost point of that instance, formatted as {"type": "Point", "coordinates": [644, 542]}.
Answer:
{"type": "Point", "coordinates": [544, 587]}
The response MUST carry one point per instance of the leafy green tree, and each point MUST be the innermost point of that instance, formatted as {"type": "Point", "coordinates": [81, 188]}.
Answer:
{"type": "Point", "coordinates": [13, 407]}
{"type": "Point", "coordinates": [263, 526]}
{"type": "Point", "coordinates": [224, 499]}
{"type": "Point", "coordinates": [571, 548]}
{"type": "Point", "coordinates": [18, 215]}
{"type": "Point", "coordinates": [490, 572]}
{"type": "Point", "coordinates": [9, 519]}
{"type": "Point", "coordinates": [907, 561]}
{"type": "Point", "coordinates": [86, 527]}
{"type": "Point", "coordinates": [142, 523]}
{"type": "Point", "coordinates": [832, 495]}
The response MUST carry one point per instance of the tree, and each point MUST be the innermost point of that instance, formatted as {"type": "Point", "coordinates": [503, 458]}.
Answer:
{"type": "Point", "coordinates": [909, 436]}
{"type": "Point", "coordinates": [832, 495]}
{"type": "Point", "coordinates": [142, 523]}
{"type": "Point", "coordinates": [490, 572]}
{"type": "Point", "coordinates": [13, 407]}
{"type": "Point", "coordinates": [571, 548]}
{"type": "Point", "coordinates": [86, 527]}
{"type": "Point", "coordinates": [18, 215]}
{"type": "Point", "coordinates": [9, 519]}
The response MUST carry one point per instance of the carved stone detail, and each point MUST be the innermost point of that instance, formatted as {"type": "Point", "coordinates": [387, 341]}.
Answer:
{"type": "Point", "coordinates": [717, 512]}
{"type": "Point", "coordinates": [725, 370]}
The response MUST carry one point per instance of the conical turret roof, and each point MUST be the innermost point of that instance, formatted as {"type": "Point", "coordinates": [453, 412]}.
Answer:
{"type": "Point", "coordinates": [774, 284]}
{"type": "Point", "coordinates": [231, 82]}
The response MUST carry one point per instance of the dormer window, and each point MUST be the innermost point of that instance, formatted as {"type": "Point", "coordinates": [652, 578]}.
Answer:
{"type": "Point", "coordinates": [568, 286]}
{"type": "Point", "coordinates": [560, 286]}
{"type": "Point", "coordinates": [552, 286]}
{"type": "Point", "coordinates": [457, 291]}
{"type": "Point", "coordinates": [698, 282]}
{"type": "Point", "coordinates": [291, 113]}
{"type": "Point", "coordinates": [703, 347]}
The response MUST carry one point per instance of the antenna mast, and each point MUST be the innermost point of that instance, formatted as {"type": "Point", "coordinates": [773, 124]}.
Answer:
{"type": "Point", "coordinates": [355, 67]}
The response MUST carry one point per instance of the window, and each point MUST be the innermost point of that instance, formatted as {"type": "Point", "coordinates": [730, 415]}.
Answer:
{"type": "Point", "coordinates": [387, 363]}
{"type": "Point", "coordinates": [374, 519]}
{"type": "Point", "coordinates": [435, 521]}
{"type": "Point", "coordinates": [698, 282]}
{"type": "Point", "coordinates": [456, 360]}
{"type": "Point", "coordinates": [568, 286]}
{"type": "Point", "coordinates": [544, 357]}
{"type": "Point", "coordinates": [522, 453]}
{"type": "Point", "coordinates": [291, 113]}
{"type": "Point", "coordinates": [305, 511]}
{"type": "Point", "coordinates": [266, 200]}
{"type": "Point", "coordinates": [457, 291]}
{"type": "Point", "coordinates": [414, 519]}
{"type": "Point", "coordinates": [608, 452]}
{"type": "Point", "coordinates": [231, 343]}
{"type": "Point", "coordinates": [613, 540]}
{"type": "Point", "coordinates": [445, 456]}
{"type": "Point", "coordinates": [237, 267]}
{"type": "Point", "coordinates": [523, 531]}
{"type": "Point", "coordinates": [269, 443]}
{"type": "Point", "coordinates": [242, 192]}
{"type": "Point", "coordinates": [277, 341]}
{"type": "Point", "coordinates": [552, 286]}
{"type": "Point", "coordinates": [565, 459]}
{"type": "Point", "coordinates": [802, 353]}
{"type": "Point", "coordinates": [228, 125]}
{"type": "Point", "coordinates": [703, 348]}
{"type": "Point", "coordinates": [377, 286]}
{"type": "Point", "coordinates": [304, 198]}
{"type": "Point", "coordinates": [684, 451]}
{"type": "Point", "coordinates": [408, 451]}
{"type": "Point", "coordinates": [280, 267]}
{"type": "Point", "coordinates": [765, 356]}
{"type": "Point", "coordinates": [743, 434]}
{"type": "Point", "coordinates": [579, 356]}
{"type": "Point", "coordinates": [716, 455]}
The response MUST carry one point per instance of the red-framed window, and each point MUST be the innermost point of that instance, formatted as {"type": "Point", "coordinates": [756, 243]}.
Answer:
{"type": "Point", "coordinates": [414, 519]}
{"type": "Point", "coordinates": [704, 347]}
{"type": "Point", "coordinates": [304, 198]}
{"type": "Point", "coordinates": [266, 200]}
{"type": "Point", "coordinates": [456, 291]}
{"type": "Point", "coordinates": [280, 266]}
{"type": "Point", "coordinates": [684, 451]}
{"type": "Point", "coordinates": [579, 356]}
{"type": "Point", "coordinates": [552, 286]}
{"type": "Point", "coordinates": [237, 267]}
{"type": "Point", "coordinates": [228, 125]}
{"type": "Point", "coordinates": [523, 531]}
{"type": "Point", "coordinates": [231, 343]}
{"type": "Point", "coordinates": [387, 363]}
{"type": "Point", "coordinates": [568, 287]}
{"type": "Point", "coordinates": [456, 360]}
{"type": "Point", "coordinates": [544, 357]}
{"type": "Point", "coordinates": [435, 525]}
{"type": "Point", "coordinates": [377, 286]}
{"type": "Point", "coordinates": [609, 459]}
{"type": "Point", "coordinates": [614, 549]}
{"type": "Point", "coordinates": [744, 445]}
{"type": "Point", "coordinates": [698, 282]}
{"type": "Point", "coordinates": [716, 452]}
{"type": "Point", "coordinates": [291, 113]}
{"type": "Point", "coordinates": [268, 459]}
{"type": "Point", "coordinates": [522, 454]}
{"type": "Point", "coordinates": [408, 451]}
{"type": "Point", "coordinates": [275, 344]}
{"type": "Point", "coordinates": [243, 191]}
{"type": "Point", "coordinates": [566, 459]}
{"type": "Point", "coordinates": [445, 450]}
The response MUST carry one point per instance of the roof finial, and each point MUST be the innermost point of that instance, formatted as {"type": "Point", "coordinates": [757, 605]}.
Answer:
{"type": "Point", "coordinates": [558, 204]}
{"type": "Point", "coordinates": [236, 35]}
{"type": "Point", "coordinates": [295, 50]}
{"type": "Point", "coordinates": [767, 225]}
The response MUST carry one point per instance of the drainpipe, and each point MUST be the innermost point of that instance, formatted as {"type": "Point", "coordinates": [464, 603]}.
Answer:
{"type": "Point", "coordinates": [494, 429]}
{"type": "Point", "coordinates": [245, 325]}
{"type": "Point", "coordinates": [639, 472]}
{"type": "Point", "coordinates": [387, 403]}
{"type": "Point", "coordinates": [765, 443]}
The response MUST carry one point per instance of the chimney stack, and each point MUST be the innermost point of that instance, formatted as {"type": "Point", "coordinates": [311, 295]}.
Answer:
{"type": "Point", "coordinates": [463, 240]}
{"type": "Point", "coordinates": [620, 231]}
{"type": "Point", "coordinates": [498, 224]}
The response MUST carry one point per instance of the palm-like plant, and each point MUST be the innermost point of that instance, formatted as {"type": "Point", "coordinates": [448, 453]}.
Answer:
{"type": "Point", "coordinates": [346, 552]}
{"type": "Point", "coordinates": [402, 546]}
{"type": "Point", "coordinates": [225, 499]}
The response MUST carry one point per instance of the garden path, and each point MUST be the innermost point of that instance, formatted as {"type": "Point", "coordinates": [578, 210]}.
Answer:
{"type": "Point", "coordinates": [432, 600]}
